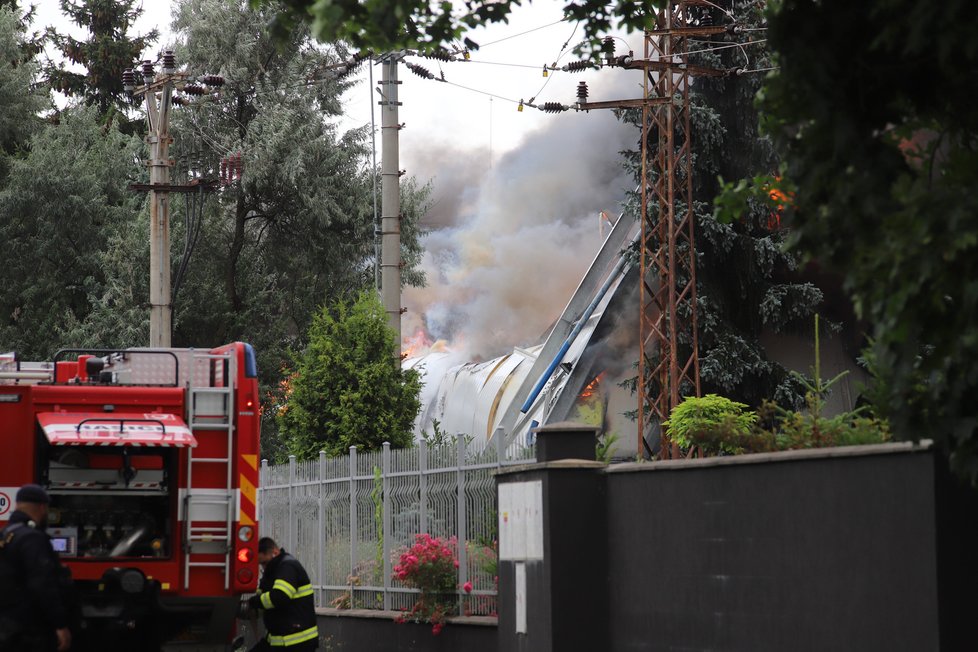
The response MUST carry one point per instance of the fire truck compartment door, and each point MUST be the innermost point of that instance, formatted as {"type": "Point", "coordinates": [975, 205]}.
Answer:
{"type": "Point", "coordinates": [115, 429]}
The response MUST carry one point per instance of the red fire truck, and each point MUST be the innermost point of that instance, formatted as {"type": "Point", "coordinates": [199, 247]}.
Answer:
{"type": "Point", "coordinates": [151, 460]}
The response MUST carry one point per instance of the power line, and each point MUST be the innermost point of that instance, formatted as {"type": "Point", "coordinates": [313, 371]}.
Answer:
{"type": "Point", "coordinates": [476, 90]}
{"type": "Point", "coordinates": [728, 45]}
{"type": "Point", "coordinates": [506, 38]}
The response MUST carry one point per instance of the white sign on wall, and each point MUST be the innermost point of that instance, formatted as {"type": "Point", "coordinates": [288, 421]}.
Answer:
{"type": "Point", "coordinates": [521, 520]}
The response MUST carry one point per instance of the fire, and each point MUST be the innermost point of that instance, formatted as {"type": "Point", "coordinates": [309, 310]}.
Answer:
{"type": "Point", "coordinates": [414, 345]}
{"type": "Point", "coordinates": [593, 386]}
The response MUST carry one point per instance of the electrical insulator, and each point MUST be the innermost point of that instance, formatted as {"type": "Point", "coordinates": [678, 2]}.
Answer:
{"type": "Point", "coordinates": [582, 92]}
{"type": "Point", "coordinates": [148, 71]}
{"type": "Point", "coordinates": [180, 100]}
{"type": "Point", "coordinates": [194, 89]}
{"type": "Point", "coordinates": [553, 107]}
{"type": "Point", "coordinates": [169, 62]}
{"type": "Point", "coordinates": [609, 50]}
{"type": "Point", "coordinates": [212, 80]}
{"type": "Point", "coordinates": [440, 54]}
{"type": "Point", "coordinates": [625, 60]}
{"type": "Point", "coordinates": [577, 66]}
{"type": "Point", "coordinates": [420, 71]}
{"type": "Point", "coordinates": [348, 68]}
{"type": "Point", "coordinates": [128, 79]}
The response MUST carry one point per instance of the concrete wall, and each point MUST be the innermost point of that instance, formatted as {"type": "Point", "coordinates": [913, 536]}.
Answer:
{"type": "Point", "coordinates": [804, 553]}
{"type": "Point", "coordinates": [863, 549]}
{"type": "Point", "coordinates": [356, 630]}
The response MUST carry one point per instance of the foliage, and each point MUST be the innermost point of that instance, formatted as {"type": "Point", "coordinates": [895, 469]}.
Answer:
{"type": "Point", "coordinates": [438, 437]}
{"type": "Point", "coordinates": [484, 556]}
{"type": "Point", "coordinates": [108, 51]}
{"type": "Point", "coordinates": [20, 99]}
{"type": "Point", "coordinates": [297, 231]}
{"type": "Point", "coordinates": [703, 414]}
{"type": "Point", "coordinates": [604, 447]}
{"type": "Point", "coordinates": [718, 426]}
{"type": "Point", "coordinates": [430, 565]}
{"type": "Point", "coordinates": [747, 285]}
{"type": "Point", "coordinates": [74, 274]}
{"type": "Point", "coordinates": [349, 389]}
{"type": "Point", "coordinates": [384, 25]}
{"type": "Point", "coordinates": [884, 162]}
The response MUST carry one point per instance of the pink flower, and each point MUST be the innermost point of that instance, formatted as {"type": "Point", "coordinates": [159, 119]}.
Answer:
{"type": "Point", "coordinates": [467, 587]}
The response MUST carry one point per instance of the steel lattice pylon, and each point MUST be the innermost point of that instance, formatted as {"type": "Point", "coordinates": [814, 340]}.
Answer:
{"type": "Point", "coordinates": [668, 359]}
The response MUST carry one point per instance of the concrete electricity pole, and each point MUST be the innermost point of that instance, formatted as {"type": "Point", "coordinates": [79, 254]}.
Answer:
{"type": "Point", "coordinates": [390, 226]}
{"type": "Point", "coordinates": [157, 91]}
{"type": "Point", "coordinates": [158, 94]}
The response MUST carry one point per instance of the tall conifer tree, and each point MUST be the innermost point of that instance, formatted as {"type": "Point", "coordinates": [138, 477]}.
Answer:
{"type": "Point", "coordinates": [108, 50]}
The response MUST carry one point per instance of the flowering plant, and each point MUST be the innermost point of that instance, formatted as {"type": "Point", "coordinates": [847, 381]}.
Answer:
{"type": "Point", "coordinates": [430, 565]}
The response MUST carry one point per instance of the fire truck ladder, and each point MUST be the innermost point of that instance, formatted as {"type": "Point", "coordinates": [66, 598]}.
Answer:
{"type": "Point", "coordinates": [210, 411]}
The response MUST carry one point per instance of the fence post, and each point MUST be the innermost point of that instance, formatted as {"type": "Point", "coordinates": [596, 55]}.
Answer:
{"type": "Point", "coordinates": [500, 438]}
{"type": "Point", "coordinates": [423, 486]}
{"type": "Point", "coordinates": [321, 529]}
{"type": "Point", "coordinates": [463, 570]}
{"type": "Point", "coordinates": [385, 531]}
{"type": "Point", "coordinates": [353, 520]}
{"type": "Point", "coordinates": [291, 529]}
{"type": "Point", "coordinates": [260, 507]}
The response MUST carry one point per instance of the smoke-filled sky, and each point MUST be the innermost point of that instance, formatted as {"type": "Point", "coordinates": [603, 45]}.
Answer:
{"type": "Point", "coordinates": [514, 223]}
{"type": "Point", "coordinates": [509, 245]}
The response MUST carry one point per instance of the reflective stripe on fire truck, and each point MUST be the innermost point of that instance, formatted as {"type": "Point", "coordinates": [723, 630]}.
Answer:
{"type": "Point", "coordinates": [248, 483]}
{"type": "Point", "coordinates": [294, 639]}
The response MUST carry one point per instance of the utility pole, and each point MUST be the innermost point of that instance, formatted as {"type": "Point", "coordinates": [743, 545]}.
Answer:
{"type": "Point", "coordinates": [390, 226]}
{"type": "Point", "coordinates": [157, 91]}
{"type": "Point", "coordinates": [668, 342]}
{"type": "Point", "coordinates": [158, 95]}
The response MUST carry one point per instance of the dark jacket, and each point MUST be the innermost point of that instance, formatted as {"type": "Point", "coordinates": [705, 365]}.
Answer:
{"type": "Point", "coordinates": [30, 578]}
{"type": "Point", "coordinates": [285, 596]}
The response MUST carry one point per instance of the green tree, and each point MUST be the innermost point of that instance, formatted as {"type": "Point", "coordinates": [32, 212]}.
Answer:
{"type": "Point", "coordinates": [873, 107]}
{"type": "Point", "coordinates": [298, 229]}
{"type": "Point", "coordinates": [20, 97]}
{"type": "Point", "coordinates": [384, 25]}
{"type": "Point", "coordinates": [348, 389]}
{"type": "Point", "coordinates": [108, 51]}
{"type": "Point", "coordinates": [66, 215]}
{"type": "Point", "coordinates": [747, 285]}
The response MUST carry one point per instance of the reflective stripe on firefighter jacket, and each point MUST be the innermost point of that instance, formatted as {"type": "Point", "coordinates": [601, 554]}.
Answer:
{"type": "Point", "coordinates": [285, 594]}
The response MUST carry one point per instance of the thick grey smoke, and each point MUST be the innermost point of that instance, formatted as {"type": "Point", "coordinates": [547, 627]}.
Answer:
{"type": "Point", "coordinates": [509, 245]}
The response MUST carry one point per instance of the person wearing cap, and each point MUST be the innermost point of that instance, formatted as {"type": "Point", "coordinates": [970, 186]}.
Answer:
{"type": "Point", "coordinates": [285, 600]}
{"type": "Point", "coordinates": [33, 615]}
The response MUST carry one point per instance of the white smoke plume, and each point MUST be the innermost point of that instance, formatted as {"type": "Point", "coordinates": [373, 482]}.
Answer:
{"type": "Point", "coordinates": [509, 245]}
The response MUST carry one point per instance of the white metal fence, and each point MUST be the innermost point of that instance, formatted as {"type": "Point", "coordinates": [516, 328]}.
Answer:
{"type": "Point", "coordinates": [348, 518]}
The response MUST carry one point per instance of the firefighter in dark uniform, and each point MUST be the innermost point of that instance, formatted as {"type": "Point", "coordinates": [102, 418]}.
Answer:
{"type": "Point", "coordinates": [286, 601]}
{"type": "Point", "coordinates": [33, 613]}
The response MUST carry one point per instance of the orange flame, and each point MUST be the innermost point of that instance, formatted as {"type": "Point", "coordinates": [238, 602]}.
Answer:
{"type": "Point", "coordinates": [413, 345]}
{"type": "Point", "coordinates": [593, 386]}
